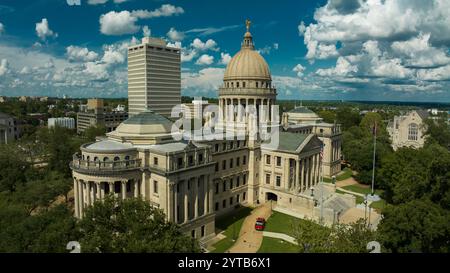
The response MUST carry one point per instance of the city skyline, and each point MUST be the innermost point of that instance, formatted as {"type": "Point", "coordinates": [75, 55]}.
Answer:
{"type": "Point", "coordinates": [318, 50]}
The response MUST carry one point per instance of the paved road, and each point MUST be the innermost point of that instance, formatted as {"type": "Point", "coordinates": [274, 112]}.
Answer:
{"type": "Point", "coordinates": [250, 240]}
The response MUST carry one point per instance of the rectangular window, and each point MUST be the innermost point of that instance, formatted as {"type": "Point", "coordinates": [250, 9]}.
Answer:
{"type": "Point", "coordinates": [191, 160]}
{"type": "Point", "coordinates": [224, 146]}
{"type": "Point", "coordinates": [200, 158]}
{"type": "Point", "coordinates": [243, 196]}
{"type": "Point", "coordinates": [216, 148]}
{"type": "Point", "coordinates": [224, 165]}
{"type": "Point", "coordinates": [244, 179]}
{"type": "Point", "coordinates": [202, 231]}
{"type": "Point", "coordinates": [180, 162]}
{"type": "Point", "coordinates": [231, 163]}
{"type": "Point", "coordinates": [278, 161]}
{"type": "Point", "coordinates": [224, 203]}
{"type": "Point", "coordinates": [217, 206]}
{"type": "Point", "coordinates": [267, 178]}
{"type": "Point", "coordinates": [128, 186]}
{"type": "Point", "coordinates": [224, 186]}
{"type": "Point", "coordinates": [237, 181]}
{"type": "Point", "coordinates": [268, 159]}
{"type": "Point", "coordinates": [238, 161]}
{"type": "Point", "coordinates": [231, 201]}
{"type": "Point", "coordinates": [217, 188]}
{"type": "Point", "coordinates": [278, 181]}
{"type": "Point", "coordinates": [155, 187]}
{"type": "Point", "coordinates": [155, 161]}
{"type": "Point", "coordinates": [217, 166]}
{"type": "Point", "coordinates": [238, 144]}
{"type": "Point", "coordinates": [231, 183]}
{"type": "Point", "coordinates": [244, 160]}
{"type": "Point", "coordinates": [231, 145]}
{"type": "Point", "coordinates": [237, 199]}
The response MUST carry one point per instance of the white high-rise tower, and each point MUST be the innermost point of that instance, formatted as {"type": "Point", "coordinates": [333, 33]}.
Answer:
{"type": "Point", "coordinates": [154, 77]}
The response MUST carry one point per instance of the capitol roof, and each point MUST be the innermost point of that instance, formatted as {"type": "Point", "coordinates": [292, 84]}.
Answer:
{"type": "Point", "coordinates": [147, 122]}
{"type": "Point", "coordinates": [247, 64]}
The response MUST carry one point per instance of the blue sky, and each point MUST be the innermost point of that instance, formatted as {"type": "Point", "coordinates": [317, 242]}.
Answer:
{"type": "Point", "coordinates": [327, 49]}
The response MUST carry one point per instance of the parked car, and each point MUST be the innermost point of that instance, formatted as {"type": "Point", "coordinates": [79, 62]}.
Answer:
{"type": "Point", "coordinates": [260, 224]}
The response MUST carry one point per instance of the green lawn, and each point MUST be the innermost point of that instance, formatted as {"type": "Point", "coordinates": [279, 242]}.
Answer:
{"type": "Point", "coordinates": [231, 224]}
{"type": "Point", "coordinates": [347, 173]}
{"type": "Point", "coordinates": [378, 205]}
{"type": "Point", "coordinates": [273, 245]}
{"type": "Point", "coordinates": [282, 223]}
{"type": "Point", "coordinates": [359, 199]}
{"type": "Point", "coordinates": [363, 190]}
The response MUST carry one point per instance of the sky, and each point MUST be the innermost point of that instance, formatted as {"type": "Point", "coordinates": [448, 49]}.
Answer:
{"type": "Point", "coordinates": [379, 50]}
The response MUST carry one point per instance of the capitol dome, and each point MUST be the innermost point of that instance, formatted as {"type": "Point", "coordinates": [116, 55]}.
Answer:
{"type": "Point", "coordinates": [247, 64]}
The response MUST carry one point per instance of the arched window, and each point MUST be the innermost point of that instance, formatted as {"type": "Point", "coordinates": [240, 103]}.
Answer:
{"type": "Point", "coordinates": [95, 159]}
{"type": "Point", "coordinates": [105, 159]}
{"type": "Point", "coordinates": [116, 158]}
{"type": "Point", "coordinates": [413, 131]}
{"type": "Point", "coordinates": [88, 158]}
{"type": "Point", "coordinates": [237, 85]}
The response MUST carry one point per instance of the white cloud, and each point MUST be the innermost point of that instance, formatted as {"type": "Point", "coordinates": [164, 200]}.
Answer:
{"type": "Point", "coordinates": [118, 23]}
{"type": "Point", "coordinates": [205, 59]}
{"type": "Point", "coordinates": [212, 30]}
{"type": "Point", "coordinates": [124, 22]}
{"type": "Point", "coordinates": [205, 80]}
{"type": "Point", "coordinates": [175, 35]}
{"type": "Point", "coordinates": [165, 10]}
{"type": "Point", "coordinates": [204, 46]}
{"type": "Point", "coordinates": [4, 67]}
{"type": "Point", "coordinates": [299, 69]}
{"type": "Point", "coordinates": [146, 31]}
{"type": "Point", "coordinates": [418, 52]}
{"type": "Point", "coordinates": [76, 53]}
{"type": "Point", "coordinates": [43, 31]}
{"type": "Point", "coordinates": [267, 49]}
{"type": "Point", "coordinates": [98, 2]}
{"type": "Point", "coordinates": [225, 58]}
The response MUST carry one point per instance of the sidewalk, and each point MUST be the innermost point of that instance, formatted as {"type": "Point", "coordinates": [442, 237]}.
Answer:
{"type": "Point", "coordinates": [250, 240]}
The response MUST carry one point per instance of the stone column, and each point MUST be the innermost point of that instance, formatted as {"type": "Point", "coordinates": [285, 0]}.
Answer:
{"type": "Point", "coordinates": [97, 187]}
{"type": "Point", "coordinates": [88, 189]}
{"type": "Point", "coordinates": [302, 175]}
{"type": "Point", "coordinates": [196, 190]}
{"type": "Point", "coordinates": [136, 188]}
{"type": "Point", "coordinates": [111, 188]}
{"type": "Point", "coordinates": [102, 190]}
{"type": "Point", "coordinates": [124, 189]}
{"type": "Point", "coordinates": [186, 214]}
{"type": "Point", "coordinates": [206, 195]}
{"type": "Point", "coordinates": [169, 197]}
{"type": "Point", "coordinates": [76, 201]}
{"type": "Point", "coordinates": [175, 202]}
{"type": "Point", "coordinates": [286, 174]}
{"type": "Point", "coordinates": [80, 198]}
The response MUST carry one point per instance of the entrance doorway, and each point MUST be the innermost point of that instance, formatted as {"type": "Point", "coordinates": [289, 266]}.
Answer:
{"type": "Point", "coordinates": [271, 197]}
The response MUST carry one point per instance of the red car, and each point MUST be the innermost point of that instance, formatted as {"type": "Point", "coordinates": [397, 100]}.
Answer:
{"type": "Point", "coordinates": [260, 223]}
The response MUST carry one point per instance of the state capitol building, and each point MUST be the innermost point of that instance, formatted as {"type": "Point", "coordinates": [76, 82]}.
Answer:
{"type": "Point", "coordinates": [194, 182]}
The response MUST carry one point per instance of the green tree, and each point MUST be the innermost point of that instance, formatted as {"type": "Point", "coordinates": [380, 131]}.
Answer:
{"type": "Point", "coordinates": [328, 116]}
{"type": "Point", "coordinates": [131, 225]}
{"type": "Point", "coordinates": [410, 174]}
{"type": "Point", "coordinates": [418, 225]}
{"type": "Point", "coordinates": [46, 232]}
{"type": "Point", "coordinates": [13, 167]}
{"type": "Point", "coordinates": [94, 131]}
{"type": "Point", "coordinates": [438, 131]}
{"type": "Point", "coordinates": [347, 117]}
{"type": "Point", "coordinates": [339, 238]}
